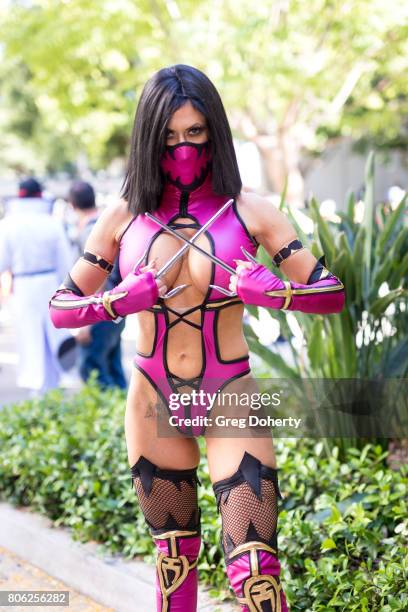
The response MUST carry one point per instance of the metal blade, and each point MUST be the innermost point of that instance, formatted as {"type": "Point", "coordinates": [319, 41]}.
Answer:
{"type": "Point", "coordinates": [139, 261]}
{"type": "Point", "coordinates": [249, 256]}
{"type": "Point", "coordinates": [211, 256]}
{"type": "Point", "coordinates": [174, 291]}
{"type": "Point", "coordinates": [184, 248]}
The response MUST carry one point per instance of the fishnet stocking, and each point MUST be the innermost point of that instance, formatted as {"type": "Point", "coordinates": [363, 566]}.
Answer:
{"type": "Point", "coordinates": [240, 507]}
{"type": "Point", "coordinates": [168, 500]}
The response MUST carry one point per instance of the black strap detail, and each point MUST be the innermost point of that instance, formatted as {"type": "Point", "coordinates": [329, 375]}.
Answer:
{"type": "Point", "coordinates": [250, 470]}
{"type": "Point", "coordinates": [181, 315]}
{"type": "Point", "coordinates": [184, 203]}
{"type": "Point", "coordinates": [177, 382]}
{"type": "Point", "coordinates": [184, 225]}
{"type": "Point", "coordinates": [146, 471]}
{"type": "Point", "coordinates": [317, 271]}
{"type": "Point", "coordinates": [97, 260]}
{"type": "Point", "coordinates": [72, 286]}
{"type": "Point", "coordinates": [286, 251]}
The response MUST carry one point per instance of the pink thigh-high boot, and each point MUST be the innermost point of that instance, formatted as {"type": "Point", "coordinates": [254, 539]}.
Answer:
{"type": "Point", "coordinates": [168, 500]}
{"type": "Point", "coordinates": [247, 502]}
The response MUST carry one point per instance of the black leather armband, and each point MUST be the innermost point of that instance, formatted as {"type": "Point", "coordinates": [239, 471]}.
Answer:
{"type": "Point", "coordinates": [286, 251]}
{"type": "Point", "coordinates": [97, 260]}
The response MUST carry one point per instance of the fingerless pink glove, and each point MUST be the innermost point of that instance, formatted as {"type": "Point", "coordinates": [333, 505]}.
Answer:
{"type": "Point", "coordinates": [135, 293]}
{"type": "Point", "coordinates": [260, 287]}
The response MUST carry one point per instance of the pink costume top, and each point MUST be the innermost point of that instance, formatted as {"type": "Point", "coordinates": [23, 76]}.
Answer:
{"type": "Point", "coordinates": [226, 236]}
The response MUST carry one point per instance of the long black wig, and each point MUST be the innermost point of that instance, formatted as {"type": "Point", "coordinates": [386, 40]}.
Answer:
{"type": "Point", "coordinates": [164, 93]}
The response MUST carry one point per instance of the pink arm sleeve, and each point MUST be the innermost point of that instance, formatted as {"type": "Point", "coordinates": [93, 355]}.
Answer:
{"type": "Point", "coordinates": [70, 310]}
{"type": "Point", "coordinates": [260, 287]}
{"type": "Point", "coordinates": [135, 293]}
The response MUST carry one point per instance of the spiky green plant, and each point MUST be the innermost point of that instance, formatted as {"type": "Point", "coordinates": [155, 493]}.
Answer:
{"type": "Point", "coordinates": [368, 338]}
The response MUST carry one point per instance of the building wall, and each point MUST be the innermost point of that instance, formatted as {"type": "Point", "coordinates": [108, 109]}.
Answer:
{"type": "Point", "coordinates": [339, 169]}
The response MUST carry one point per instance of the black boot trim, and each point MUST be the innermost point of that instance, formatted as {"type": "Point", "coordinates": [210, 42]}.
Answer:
{"type": "Point", "coordinates": [250, 470]}
{"type": "Point", "coordinates": [146, 471]}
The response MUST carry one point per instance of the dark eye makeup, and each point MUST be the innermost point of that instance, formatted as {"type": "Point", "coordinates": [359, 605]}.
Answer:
{"type": "Point", "coordinates": [195, 130]}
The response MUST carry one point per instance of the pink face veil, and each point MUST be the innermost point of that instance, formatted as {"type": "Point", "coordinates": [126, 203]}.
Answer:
{"type": "Point", "coordinates": [187, 164]}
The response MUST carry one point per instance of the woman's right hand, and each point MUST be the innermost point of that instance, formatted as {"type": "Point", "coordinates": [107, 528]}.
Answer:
{"type": "Point", "coordinates": [137, 291]}
{"type": "Point", "coordinates": [151, 267]}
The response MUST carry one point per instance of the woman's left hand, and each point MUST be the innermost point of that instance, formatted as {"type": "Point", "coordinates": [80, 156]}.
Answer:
{"type": "Point", "coordinates": [241, 265]}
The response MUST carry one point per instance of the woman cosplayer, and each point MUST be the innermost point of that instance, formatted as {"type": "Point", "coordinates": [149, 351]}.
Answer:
{"type": "Point", "coordinates": [183, 210]}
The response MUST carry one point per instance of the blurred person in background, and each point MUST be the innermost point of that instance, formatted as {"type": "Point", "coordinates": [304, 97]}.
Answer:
{"type": "Point", "coordinates": [99, 344]}
{"type": "Point", "coordinates": [36, 253]}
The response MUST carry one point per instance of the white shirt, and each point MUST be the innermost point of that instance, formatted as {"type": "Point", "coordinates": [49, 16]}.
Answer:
{"type": "Point", "coordinates": [31, 240]}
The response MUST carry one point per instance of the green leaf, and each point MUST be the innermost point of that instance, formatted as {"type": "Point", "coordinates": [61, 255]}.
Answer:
{"type": "Point", "coordinates": [302, 236]}
{"type": "Point", "coordinates": [315, 345]}
{"type": "Point", "coordinates": [325, 237]}
{"type": "Point", "coordinates": [310, 566]}
{"type": "Point", "coordinates": [358, 263]}
{"type": "Point", "coordinates": [283, 194]}
{"type": "Point", "coordinates": [274, 361]}
{"type": "Point", "coordinates": [395, 362]}
{"type": "Point", "coordinates": [351, 202]}
{"type": "Point", "coordinates": [393, 218]}
{"type": "Point", "coordinates": [398, 276]}
{"type": "Point", "coordinates": [378, 307]}
{"type": "Point", "coordinates": [328, 544]}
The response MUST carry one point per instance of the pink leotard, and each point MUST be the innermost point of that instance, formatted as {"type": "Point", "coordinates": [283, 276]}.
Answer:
{"type": "Point", "coordinates": [226, 236]}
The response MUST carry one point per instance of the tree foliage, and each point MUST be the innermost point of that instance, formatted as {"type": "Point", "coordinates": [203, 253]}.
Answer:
{"type": "Point", "coordinates": [291, 74]}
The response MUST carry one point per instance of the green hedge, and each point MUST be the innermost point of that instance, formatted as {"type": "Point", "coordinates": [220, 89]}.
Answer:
{"type": "Point", "coordinates": [342, 532]}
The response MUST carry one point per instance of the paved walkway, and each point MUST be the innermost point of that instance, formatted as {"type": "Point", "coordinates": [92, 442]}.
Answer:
{"type": "Point", "coordinates": [16, 574]}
